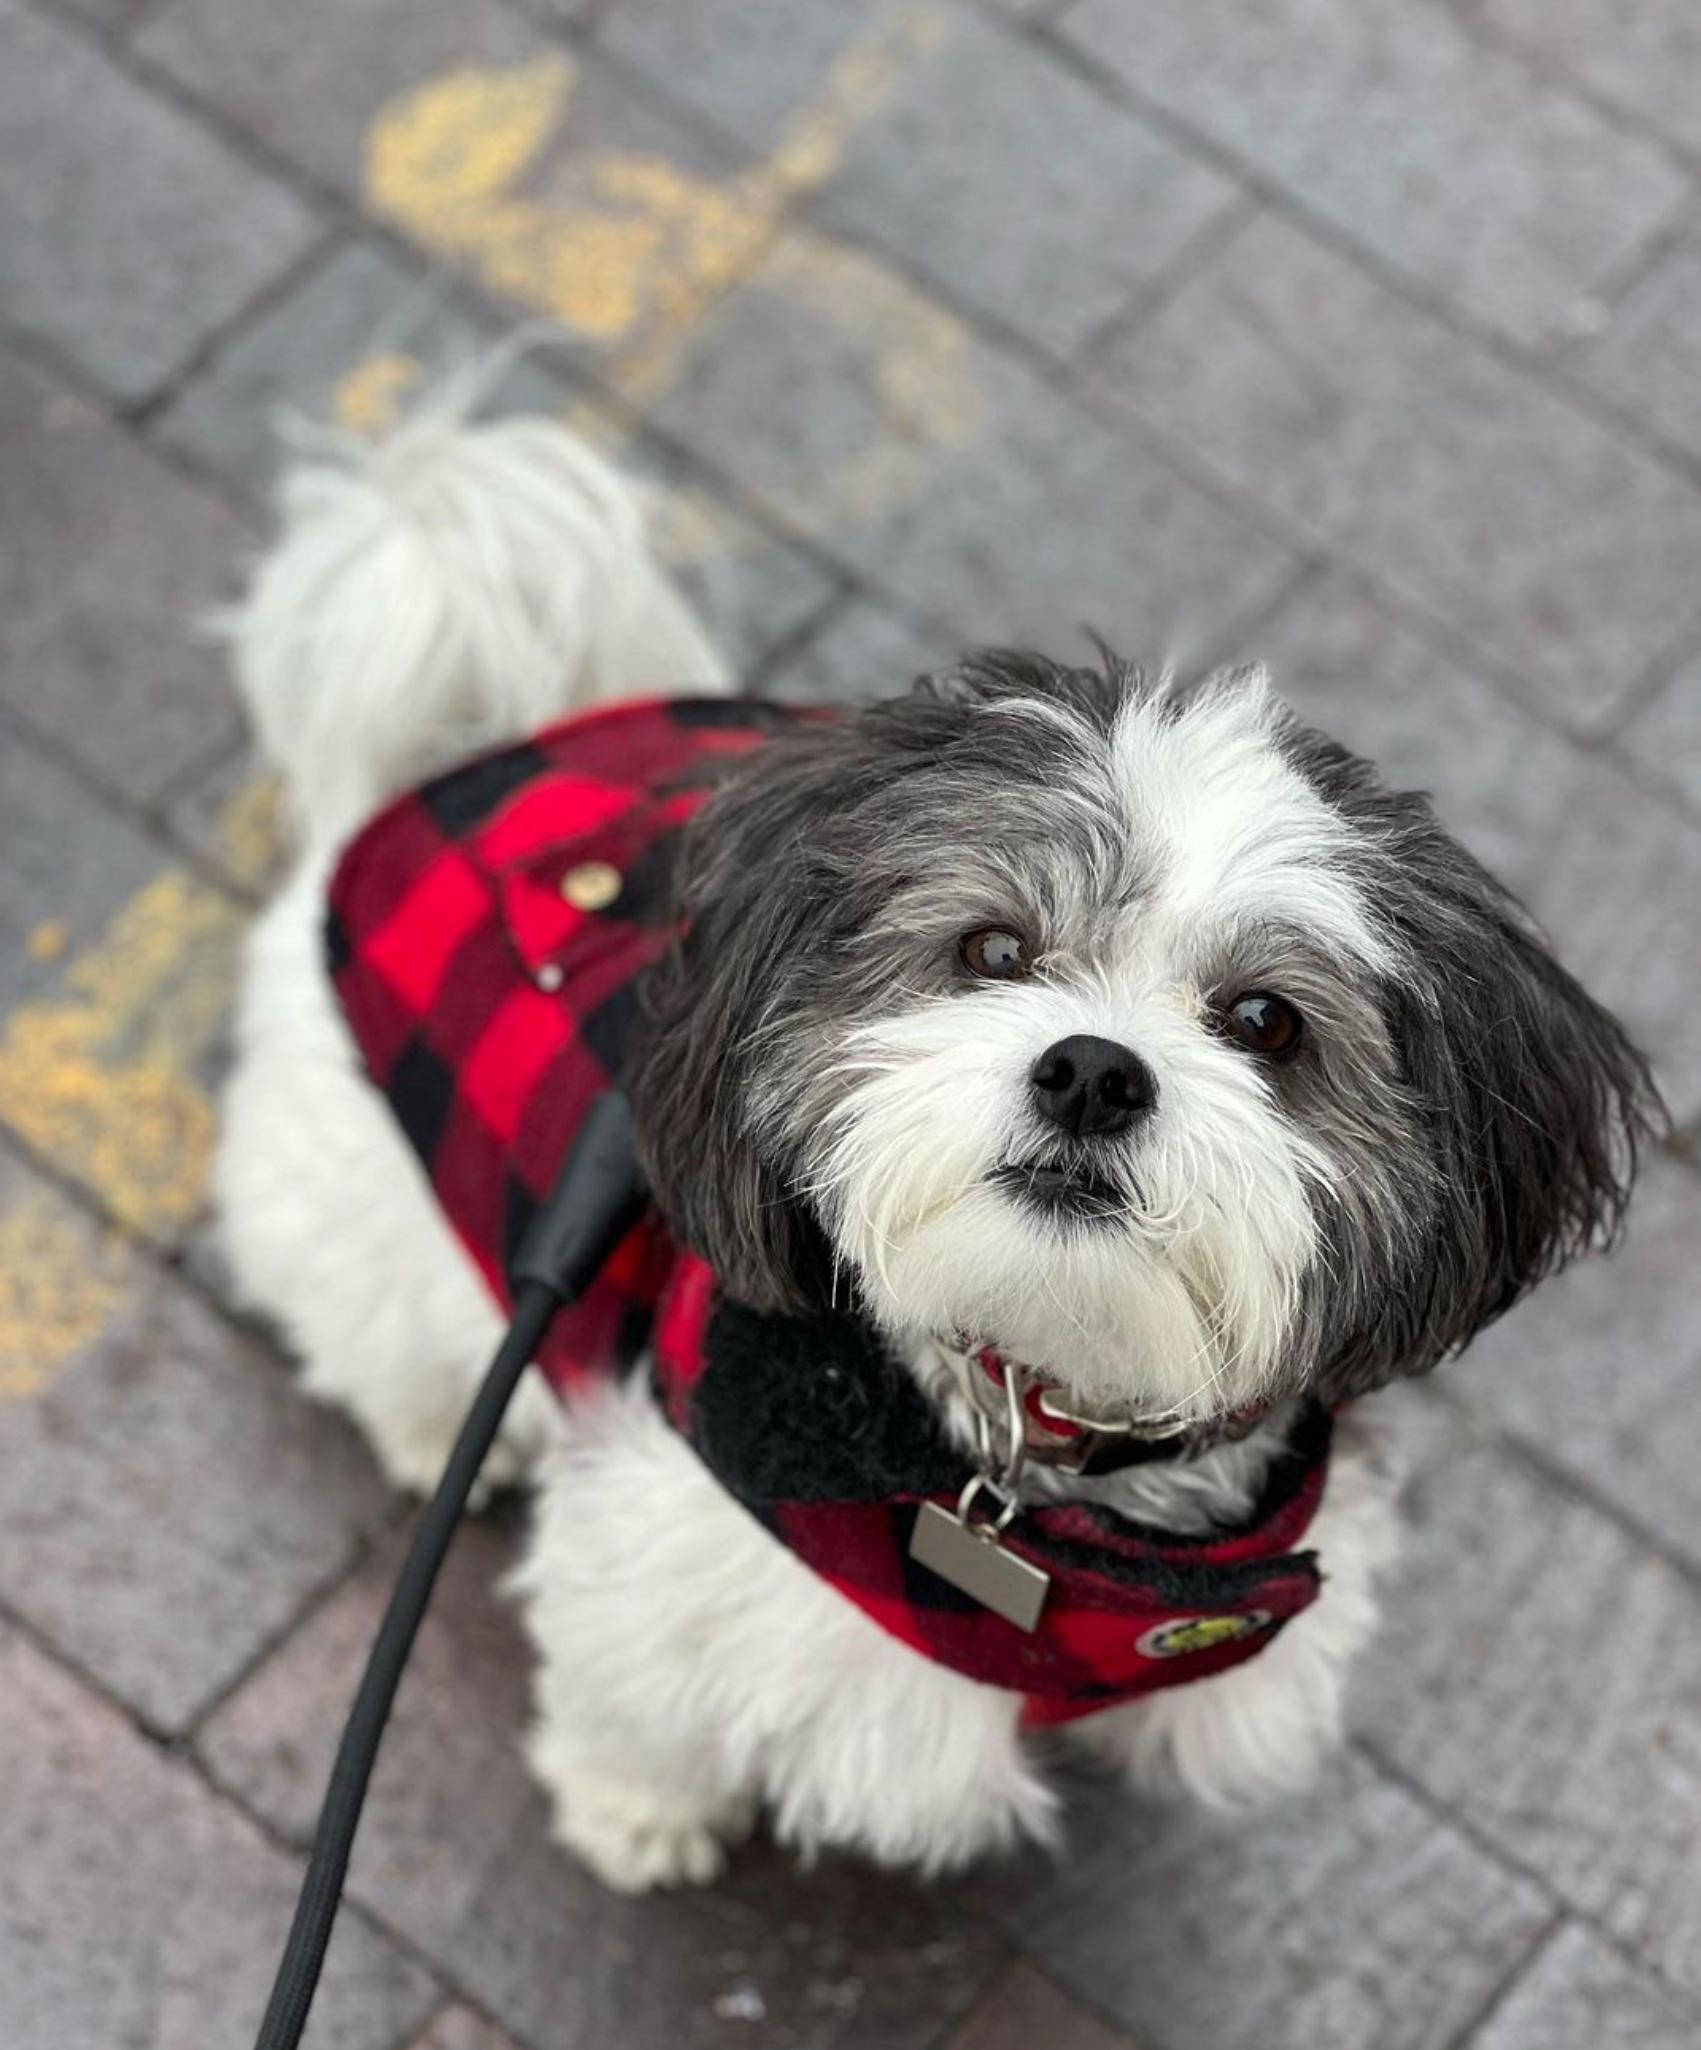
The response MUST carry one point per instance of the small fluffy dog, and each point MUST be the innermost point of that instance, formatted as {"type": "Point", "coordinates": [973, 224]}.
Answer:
{"type": "Point", "coordinates": [1074, 1031]}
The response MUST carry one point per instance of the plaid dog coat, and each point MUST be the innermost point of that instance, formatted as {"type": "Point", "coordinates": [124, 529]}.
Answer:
{"type": "Point", "coordinates": [486, 934]}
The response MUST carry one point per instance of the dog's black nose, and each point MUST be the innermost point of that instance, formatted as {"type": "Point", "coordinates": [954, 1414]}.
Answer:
{"type": "Point", "coordinates": [1092, 1087]}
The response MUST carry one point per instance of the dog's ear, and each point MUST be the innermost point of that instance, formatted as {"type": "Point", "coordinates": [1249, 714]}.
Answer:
{"type": "Point", "coordinates": [1532, 1106]}
{"type": "Point", "coordinates": [749, 896]}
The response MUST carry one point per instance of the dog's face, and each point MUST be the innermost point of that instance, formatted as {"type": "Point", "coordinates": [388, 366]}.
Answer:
{"type": "Point", "coordinates": [1142, 1034]}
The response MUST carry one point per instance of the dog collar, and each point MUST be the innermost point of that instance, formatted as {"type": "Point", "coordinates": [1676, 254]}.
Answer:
{"type": "Point", "coordinates": [1075, 1440]}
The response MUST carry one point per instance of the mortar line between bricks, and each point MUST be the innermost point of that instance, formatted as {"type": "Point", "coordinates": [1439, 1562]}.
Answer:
{"type": "Point", "coordinates": [1650, 686]}
{"type": "Point", "coordinates": [369, 1540]}
{"type": "Point", "coordinates": [1530, 1452]}
{"type": "Point", "coordinates": [1308, 574]}
{"type": "Point", "coordinates": [140, 13]}
{"type": "Point", "coordinates": [1497, 1436]}
{"type": "Point", "coordinates": [1458, 1823]}
{"type": "Point", "coordinates": [965, 2009]}
{"type": "Point", "coordinates": [1557, 74]}
{"type": "Point", "coordinates": [1410, 287]}
{"type": "Point", "coordinates": [1506, 1985]}
{"type": "Point", "coordinates": [1167, 282]}
{"type": "Point", "coordinates": [42, 356]}
{"type": "Point", "coordinates": [796, 638]}
{"type": "Point", "coordinates": [1458, 1820]}
{"type": "Point", "coordinates": [1113, 2024]}
{"type": "Point", "coordinates": [184, 782]}
{"type": "Point", "coordinates": [1622, 277]}
{"type": "Point", "coordinates": [139, 817]}
{"type": "Point", "coordinates": [322, 249]}
{"type": "Point", "coordinates": [156, 1735]}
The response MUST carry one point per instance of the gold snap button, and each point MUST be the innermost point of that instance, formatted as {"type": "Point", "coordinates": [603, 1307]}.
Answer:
{"type": "Point", "coordinates": [591, 885]}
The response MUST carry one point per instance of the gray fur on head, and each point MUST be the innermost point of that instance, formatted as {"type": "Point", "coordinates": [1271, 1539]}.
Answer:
{"type": "Point", "coordinates": [826, 1095]}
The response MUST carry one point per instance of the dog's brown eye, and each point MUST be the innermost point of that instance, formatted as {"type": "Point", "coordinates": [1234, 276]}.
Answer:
{"type": "Point", "coordinates": [1268, 1025]}
{"type": "Point", "coordinates": [996, 952]}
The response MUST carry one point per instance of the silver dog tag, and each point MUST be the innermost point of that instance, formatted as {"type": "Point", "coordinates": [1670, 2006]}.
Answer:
{"type": "Point", "coordinates": [970, 1557]}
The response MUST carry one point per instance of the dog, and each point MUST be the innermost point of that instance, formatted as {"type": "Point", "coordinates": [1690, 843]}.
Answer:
{"type": "Point", "coordinates": [1084, 1057]}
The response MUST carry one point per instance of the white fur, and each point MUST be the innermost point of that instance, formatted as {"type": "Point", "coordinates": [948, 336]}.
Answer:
{"type": "Point", "coordinates": [455, 587]}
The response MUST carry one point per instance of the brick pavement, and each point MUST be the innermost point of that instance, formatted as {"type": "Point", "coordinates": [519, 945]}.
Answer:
{"type": "Point", "coordinates": [1363, 337]}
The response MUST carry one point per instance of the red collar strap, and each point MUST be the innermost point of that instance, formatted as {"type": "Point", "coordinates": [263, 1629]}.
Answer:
{"type": "Point", "coordinates": [486, 936]}
{"type": "Point", "coordinates": [1095, 1445]}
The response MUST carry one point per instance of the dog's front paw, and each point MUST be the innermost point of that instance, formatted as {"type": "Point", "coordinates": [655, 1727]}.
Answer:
{"type": "Point", "coordinates": [412, 1446]}
{"type": "Point", "coordinates": [636, 1835]}
{"type": "Point", "coordinates": [633, 1822]}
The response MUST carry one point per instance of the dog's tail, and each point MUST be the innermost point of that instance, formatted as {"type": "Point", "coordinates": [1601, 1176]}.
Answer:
{"type": "Point", "coordinates": [440, 590]}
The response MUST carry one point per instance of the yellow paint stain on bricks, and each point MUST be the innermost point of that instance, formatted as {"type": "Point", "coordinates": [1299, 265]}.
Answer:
{"type": "Point", "coordinates": [248, 836]}
{"type": "Point", "coordinates": [99, 1077]}
{"type": "Point", "coordinates": [631, 251]}
{"type": "Point", "coordinates": [60, 1281]}
{"type": "Point", "coordinates": [622, 244]}
{"type": "Point", "coordinates": [369, 397]}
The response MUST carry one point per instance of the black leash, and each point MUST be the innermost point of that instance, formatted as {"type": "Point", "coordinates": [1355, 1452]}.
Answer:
{"type": "Point", "coordinates": [597, 1198]}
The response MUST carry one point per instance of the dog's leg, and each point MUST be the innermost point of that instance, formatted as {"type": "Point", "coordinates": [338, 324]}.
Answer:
{"type": "Point", "coordinates": [690, 1668]}
{"type": "Point", "coordinates": [331, 1233]}
{"type": "Point", "coordinates": [1264, 1728]}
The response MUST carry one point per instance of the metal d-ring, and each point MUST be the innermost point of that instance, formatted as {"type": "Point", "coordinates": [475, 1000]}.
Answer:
{"type": "Point", "coordinates": [989, 1532]}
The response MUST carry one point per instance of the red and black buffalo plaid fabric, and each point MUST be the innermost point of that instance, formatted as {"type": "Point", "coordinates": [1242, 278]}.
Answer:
{"type": "Point", "coordinates": [486, 935]}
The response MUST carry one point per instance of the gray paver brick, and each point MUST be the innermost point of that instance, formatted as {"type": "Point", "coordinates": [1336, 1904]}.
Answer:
{"type": "Point", "coordinates": [454, 1851]}
{"type": "Point", "coordinates": [1647, 358]}
{"type": "Point", "coordinates": [1665, 736]}
{"type": "Point", "coordinates": [137, 1910]}
{"type": "Point", "coordinates": [126, 233]}
{"type": "Point", "coordinates": [1349, 1917]}
{"type": "Point", "coordinates": [1540, 1673]}
{"type": "Point", "coordinates": [1462, 483]}
{"type": "Point", "coordinates": [168, 1499]}
{"type": "Point", "coordinates": [1642, 55]}
{"type": "Point", "coordinates": [1580, 1995]}
{"type": "Point", "coordinates": [965, 161]}
{"type": "Point", "coordinates": [1609, 871]}
{"type": "Point", "coordinates": [1601, 1370]}
{"type": "Point", "coordinates": [951, 474]}
{"type": "Point", "coordinates": [366, 331]}
{"type": "Point", "coordinates": [1025, 2008]}
{"type": "Point", "coordinates": [1445, 156]}
{"type": "Point", "coordinates": [307, 80]}
{"type": "Point", "coordinates": [108, 561]}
